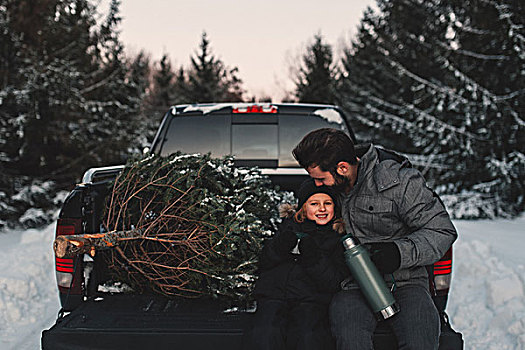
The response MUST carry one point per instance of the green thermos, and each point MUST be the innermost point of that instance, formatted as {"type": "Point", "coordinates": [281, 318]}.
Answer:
{"type": "Point", "coordinates": [369, 279]}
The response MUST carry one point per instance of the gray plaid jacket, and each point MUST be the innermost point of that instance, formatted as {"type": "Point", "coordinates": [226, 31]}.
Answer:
{"type": "Point", "coordinates": [391, 202]}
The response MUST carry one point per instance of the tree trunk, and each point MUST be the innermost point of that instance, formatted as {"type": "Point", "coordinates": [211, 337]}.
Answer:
{"type": "Point", "coordinates": [68, 246]}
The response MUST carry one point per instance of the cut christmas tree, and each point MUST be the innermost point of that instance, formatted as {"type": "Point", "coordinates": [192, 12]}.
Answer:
{"type": "Point", "coordinates": [184, 225]}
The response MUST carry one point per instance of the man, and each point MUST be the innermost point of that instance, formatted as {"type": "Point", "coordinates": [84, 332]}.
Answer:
{"type": "Point", "coordinates": [386, 206]}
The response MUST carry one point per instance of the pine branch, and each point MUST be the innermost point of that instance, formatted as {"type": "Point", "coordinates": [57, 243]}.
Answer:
{"type": "Point", "coordinates": [507, 16]}
{"type": "Point", "coordinates": [471, 53]}
{"type": "Point", "coordinates": [492, 97]}
{"type": "Point", "coordinates": [99, 83]}
{"type": "Point", "coordinates": [444, 90]}
{"type": "Point", "coordinates": [420, 114]}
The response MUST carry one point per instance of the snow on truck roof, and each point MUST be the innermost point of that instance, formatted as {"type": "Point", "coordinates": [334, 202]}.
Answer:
{"type": "Point", "coordinates": [331, 115]}
{"type": "Point", "coordinates": [327, 112]}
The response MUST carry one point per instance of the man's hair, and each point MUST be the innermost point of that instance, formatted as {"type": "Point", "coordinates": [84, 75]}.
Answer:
{"type": "Point", "coordinates": [325, 148]}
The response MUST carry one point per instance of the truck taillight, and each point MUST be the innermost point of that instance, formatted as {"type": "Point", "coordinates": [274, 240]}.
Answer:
{"type": "Point", "coordinates": [443, 273]}
{"type": "Point", "coordinates": [255, 109]}
{"type": "Point", "coordinates": [68, 226]}
{"type": "Point", "coordinates": [68, 277]}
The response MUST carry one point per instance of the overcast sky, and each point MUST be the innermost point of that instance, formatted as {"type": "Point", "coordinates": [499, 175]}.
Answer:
{"type": "Point", "coordinates": [261, 37]}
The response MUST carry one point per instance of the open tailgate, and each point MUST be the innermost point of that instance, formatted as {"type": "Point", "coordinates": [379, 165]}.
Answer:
{"type": "Point", "coordinates": [140, 322]}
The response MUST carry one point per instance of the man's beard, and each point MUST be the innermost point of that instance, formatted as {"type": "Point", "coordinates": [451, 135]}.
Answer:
{"type": "Point", "coordinates": [341, 183]}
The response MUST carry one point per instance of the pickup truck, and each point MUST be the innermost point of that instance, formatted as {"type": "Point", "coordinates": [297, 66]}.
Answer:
{"type": "Point", "coordinates": [97, 316]}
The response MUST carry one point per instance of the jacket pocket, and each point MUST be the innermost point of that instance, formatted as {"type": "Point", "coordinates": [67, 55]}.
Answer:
{"type": "Point", "coordinates": [374, 216]}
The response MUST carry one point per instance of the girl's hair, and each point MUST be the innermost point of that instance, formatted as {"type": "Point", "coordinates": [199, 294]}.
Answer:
{"type": "Point", "coordinates": [338, 225]}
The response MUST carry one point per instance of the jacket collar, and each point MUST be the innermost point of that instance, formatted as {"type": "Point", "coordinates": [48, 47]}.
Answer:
{"type": "Point", "coordinates": [369, 162]}
{"type": "Point", "coordinates": [367, 159]}
{"type": "Point", "coordinates": [310, 226]}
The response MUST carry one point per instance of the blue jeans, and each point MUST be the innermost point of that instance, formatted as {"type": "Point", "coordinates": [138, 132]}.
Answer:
{"type": "Point", "coordinates": [416, 325]}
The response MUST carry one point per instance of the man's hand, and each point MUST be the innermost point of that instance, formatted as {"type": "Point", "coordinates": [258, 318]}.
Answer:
{"type": "Point", "coordinates": [385, 256]}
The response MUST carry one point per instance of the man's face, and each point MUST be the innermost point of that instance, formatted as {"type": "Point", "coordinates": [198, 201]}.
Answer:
{"type": "Point", "coordinates": [338, 182]}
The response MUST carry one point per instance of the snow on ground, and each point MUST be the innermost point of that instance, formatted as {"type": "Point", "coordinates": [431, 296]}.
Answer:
{"type": "Point", "coordinates": [28, 295]}
{"type": "Point", "coordinates": [486, 303]}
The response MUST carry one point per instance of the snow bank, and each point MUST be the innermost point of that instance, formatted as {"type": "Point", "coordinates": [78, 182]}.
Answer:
{"type": "Point", "coordinates": [28, 296]}
{"type": "Point", "coordinates": [487, 301]}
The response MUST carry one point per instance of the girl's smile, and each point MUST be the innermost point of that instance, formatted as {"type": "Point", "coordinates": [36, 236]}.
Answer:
{"type": "Point", "coordinates": [320, 208]}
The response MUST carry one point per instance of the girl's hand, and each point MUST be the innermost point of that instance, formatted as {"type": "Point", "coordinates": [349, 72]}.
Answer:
{"type": "Point", "coordinates": [309, 250]}
{"type": "Point", "coordinates": [285, 240]}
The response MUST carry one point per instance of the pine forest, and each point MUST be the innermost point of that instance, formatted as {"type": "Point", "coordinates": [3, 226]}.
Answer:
{"type": "Point", "coordinates": [440, 81]}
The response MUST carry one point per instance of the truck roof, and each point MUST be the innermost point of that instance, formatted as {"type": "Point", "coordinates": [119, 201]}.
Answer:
{"type": "Point", "coordinates": [227, 107]}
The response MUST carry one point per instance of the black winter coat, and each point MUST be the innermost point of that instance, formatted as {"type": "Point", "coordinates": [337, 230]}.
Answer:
{"type": "Point", "coordinates": [284, 275]}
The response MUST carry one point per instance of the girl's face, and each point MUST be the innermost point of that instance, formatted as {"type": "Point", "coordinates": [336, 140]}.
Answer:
{"type": "Point", "coordinates": [319, 208]}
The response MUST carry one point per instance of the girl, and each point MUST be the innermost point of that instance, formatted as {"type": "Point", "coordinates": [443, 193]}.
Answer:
{"type": "Point", "coordinates": [301, 267]}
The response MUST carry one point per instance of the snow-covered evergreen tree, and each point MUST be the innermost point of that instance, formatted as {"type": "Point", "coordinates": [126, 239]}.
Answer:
{"type": "Point", "coordinates": [209, 80]}
{"type": "Point", "coordinates": [426, 78]}
{"type": "Point", "coordinates": [315, 79]}
{"type": "Point", "coordinates": [112, 99]}
{"type": "Point", "coordinates": [162, 94]}
{"type": "Point", "coordinates": [67, 99]}
{"type": "Point", "coordinates": [138, 76]}
{"type": "Point", "coordinates": [40, 96]}
{"type": "Point", "coordinates": [181, 86]}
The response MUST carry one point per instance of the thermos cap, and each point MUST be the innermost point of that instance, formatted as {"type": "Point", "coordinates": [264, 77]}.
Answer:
{"type": "Point", "coordinates": [348, 242]}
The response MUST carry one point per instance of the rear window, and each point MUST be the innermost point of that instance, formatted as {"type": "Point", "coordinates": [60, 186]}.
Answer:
{"type": "Point", "coordinates": [199, 134]}
{"type": "Point", "coordinates": [292, 128]}
{"type": "Point", "coordinates": [263, 140]}
{"type": "Point", "coordinates": [255, 141]}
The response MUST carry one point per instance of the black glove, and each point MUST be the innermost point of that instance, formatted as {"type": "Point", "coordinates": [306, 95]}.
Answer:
{"type": "Point", "coordinates": [385, 256]}
{"type": "Point", "coordinates": [285, 240]}
{"type": "Point", "coordinates": [309, 251]}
